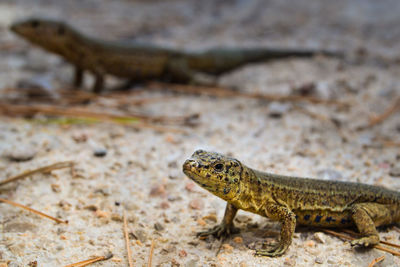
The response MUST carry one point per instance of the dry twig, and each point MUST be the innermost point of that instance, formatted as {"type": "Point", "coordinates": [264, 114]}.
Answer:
{"type": "Point", "coordinates": [151, 253]}
{"type": "Point", "coordinates": [31, 210]}
{"type": "Point", "coordinates": [45, 169]}
{"type": "Point", "coordinates": [376, 260]}
{"type": "Point", "coordinates": [87, 262]}
{"type": "Point", "coordinates": [128, 247]}
{"type": "Point", "coordinates": [29, 110]}
{"type": "Point", "coordinates": [340, 235]}
{"type": "Point", "coordinates": [86, 114]}
{"type": "Point", "coordinates": [383, 242]}
{"type": "Point", "coordinates": [386, 114]}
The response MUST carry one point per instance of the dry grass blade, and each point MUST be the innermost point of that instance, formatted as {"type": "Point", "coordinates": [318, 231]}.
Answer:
{"type": "Point", "coordinates": [391, 144]}
{"type": "Point", "coordinates": [386, 114]}
{"type": "Point", "coordinates": [55, 166]}
{"type": "Point", "coordinates": [32, 210]}
{"type": "Point", "coordinates": [29, 110]}
{"type": "Point", "coordinates": [376, 260]}
{"type": "Point", "coordinates": [128, 247]}
{"type": "Point", "coordinates": [340, 235]}
{"type": "Point", "coordinates": [149, 263]}
{"type": "Point", "coordinates": [90, 261]}
{"type": "Point", "coordinates": [97, 116]}
{"type": "Point", "coordinates": [344, 236]}
{"type": "Point", "coordinates": [223, 92]}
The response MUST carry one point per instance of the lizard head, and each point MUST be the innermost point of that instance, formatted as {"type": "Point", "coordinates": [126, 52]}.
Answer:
{"type": "Point", "coordinates": [217, 173]}
{"type": "Point", "coordinates": [44, 32]}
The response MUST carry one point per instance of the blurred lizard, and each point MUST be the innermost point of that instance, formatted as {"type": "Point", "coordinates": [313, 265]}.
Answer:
{"type": "Point", "coordinates": [142, 62]}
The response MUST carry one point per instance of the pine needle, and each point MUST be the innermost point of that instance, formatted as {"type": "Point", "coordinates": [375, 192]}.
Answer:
{"type": "Point", "coordinates": [223, 92]}
{"type": "Point", "coordinates": [32, 210]}
{"type": "Point", "coordinates": [29, 110]}
{"type": "Point", "coordinates": [90, 261]}
{"type": "Point", "coordinates": [386, 114]}
{"type": "Point", "coordinates": [45, 169]}
{"type": "Point", "coordinates": [376, 260]}
{"type": "Point", "coordinates": [396, 253]}
{"type": "Point", "coordinates": [128, 247]}
{"type": "Point", "coordinates": [151, 253]}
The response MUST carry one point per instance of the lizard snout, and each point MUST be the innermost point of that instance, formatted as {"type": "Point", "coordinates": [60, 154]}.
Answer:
{"type": "Point", "coordinates": [189, 164]}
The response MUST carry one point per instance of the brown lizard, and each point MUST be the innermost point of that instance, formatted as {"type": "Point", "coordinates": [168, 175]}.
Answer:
{"type": "Point", "coordinates": [292, 200]}
{"type": "Point", "coordinates": [142, 62]}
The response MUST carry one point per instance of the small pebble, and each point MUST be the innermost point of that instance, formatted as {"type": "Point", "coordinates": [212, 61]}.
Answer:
{"type": "Point", "coordinates": [190, 187]}
{"type": "Point", "coordinates": [289, 262]}
{"type": "Point", "coordinates": [332, 260]}
{"type": "Point", "coordinates": [19, 227]}
{"type": "Point", "coordinates": [276, 110]}
{"type": "Point", "coordinates": [238, 240]}
{"type": "Point", "coordinates": [201, 222]}
{"type": "Point", "coordinates": [309, 243]}
{"type": "Point", "coordinates": [164, 205]}
{"type": "Point", "coordinates": [395, 171]}
{"type": "Point", "coordinates": [158, 190]}
{"type": "Point", "coordinates": [319, 237]}
{"type": "Point", "coordinates": [196, 204]}
{"type": "Point", "coordinates": [79, 137]}
{"type": "Point", "coordinates": [158, 226]}
{"type": "Point", "coordinates": [227, 248]}
{"type": "Point", "coordinates": [56, 188]}
{"type": "Point", "coordinates": [23, 153]}
{"type": "Point", "coordinates": [211, 217]}
{"type": "Point", "coordinates": [319, 260]}
{"type": "Point", "coordinates": [102, 214]}
{"type": "Point", "coordinates": [191, 263]}
{"type": "Point", "coordinates": [100, 152]}
{"type": "Point", "coordinates": [182, 253]}
{"type": "Point", "coordinates": [116, 217]}
{"type": "Point", "coordinates": [141, 235]}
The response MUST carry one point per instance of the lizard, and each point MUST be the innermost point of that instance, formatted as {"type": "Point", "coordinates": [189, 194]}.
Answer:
{"type": "Point", "coordinates": [292, 200]}
{"type": "Point", "coordinates": [140, 62]}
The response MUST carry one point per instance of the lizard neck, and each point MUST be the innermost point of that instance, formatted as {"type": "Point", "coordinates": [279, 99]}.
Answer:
{"type": "Point", "coordinates": [253, 194]}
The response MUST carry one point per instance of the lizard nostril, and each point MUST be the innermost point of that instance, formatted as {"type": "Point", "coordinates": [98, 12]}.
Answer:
{"type": "Point", "coordinates": [189, 164]}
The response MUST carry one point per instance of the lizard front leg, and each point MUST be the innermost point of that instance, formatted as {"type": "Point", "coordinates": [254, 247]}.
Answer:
{"type": "Point", "coordinates": [78, 77]}
{"type": "Point", "coordinates": [226, 227]}
{"type": "Point", "coordinates": [288, 220]}
{"type": "Point", "coordinates": [99, 83]}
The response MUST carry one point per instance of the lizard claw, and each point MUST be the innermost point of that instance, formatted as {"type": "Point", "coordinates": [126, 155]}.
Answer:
{"type": "Point", "coordinates": [365, 241]}
{"type": "Point", "coordinates": [273, 252]}
{"type": "Point", "coordinates": [219, 231]}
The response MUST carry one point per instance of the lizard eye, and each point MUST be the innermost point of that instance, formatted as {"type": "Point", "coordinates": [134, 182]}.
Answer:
{"type": "Point", "coordinates": [219, 167]}
{"type": "Point", "coordinates": [35, 23]}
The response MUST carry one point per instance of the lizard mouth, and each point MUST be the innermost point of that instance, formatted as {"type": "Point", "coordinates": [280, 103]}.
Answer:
{"type": "Point", "coordinates": [190, 172]}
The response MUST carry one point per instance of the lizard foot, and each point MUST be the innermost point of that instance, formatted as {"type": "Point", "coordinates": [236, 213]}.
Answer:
{"type": "Point", "coordinates": [274, 252]}
{"type": "Point", "coordinates": [219, 231]}
{"type": "Point", "coordinates": [366, 241]}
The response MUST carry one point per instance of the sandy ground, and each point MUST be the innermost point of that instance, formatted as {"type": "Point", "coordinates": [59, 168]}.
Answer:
{"type": "Point", "coordinates": [141, 171]}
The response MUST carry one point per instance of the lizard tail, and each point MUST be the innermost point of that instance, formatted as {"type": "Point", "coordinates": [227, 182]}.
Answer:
{"type": "Point", "coordinates": [218, 61]}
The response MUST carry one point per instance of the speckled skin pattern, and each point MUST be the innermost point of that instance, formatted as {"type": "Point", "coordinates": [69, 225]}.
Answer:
{"type": "Point", "coordinates": [292, 200]}
{"type": "Point", "coordinates": [141, 62]}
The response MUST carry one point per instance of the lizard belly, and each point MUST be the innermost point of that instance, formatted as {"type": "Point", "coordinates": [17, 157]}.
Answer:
{"type": "Point", "coordinates": [324, 218]}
